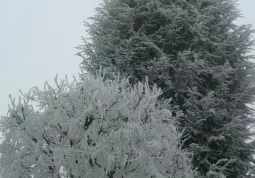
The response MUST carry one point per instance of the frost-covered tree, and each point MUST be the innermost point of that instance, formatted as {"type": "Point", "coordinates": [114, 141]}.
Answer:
{"type": "Point", "coordinates": [92, 129]}
{"type": "Point", "coordinates": [196, 53]}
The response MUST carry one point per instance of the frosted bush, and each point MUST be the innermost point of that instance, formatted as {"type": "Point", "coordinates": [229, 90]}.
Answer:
{"type": "Point", "coordinates": [95, 129]}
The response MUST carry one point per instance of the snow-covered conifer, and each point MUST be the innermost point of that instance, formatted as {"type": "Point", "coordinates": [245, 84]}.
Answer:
{"type": "Point", "coordinates": [199, 57]}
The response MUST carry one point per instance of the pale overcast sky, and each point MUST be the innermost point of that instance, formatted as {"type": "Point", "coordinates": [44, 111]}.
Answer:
{"type": "Point", "coordinates": [38, 40]}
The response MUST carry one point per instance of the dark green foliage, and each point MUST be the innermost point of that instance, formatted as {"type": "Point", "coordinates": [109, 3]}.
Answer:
{"type": "Point", "coordinates": [193, 50]}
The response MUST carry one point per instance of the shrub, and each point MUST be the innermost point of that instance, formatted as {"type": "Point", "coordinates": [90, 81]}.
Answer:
{"type": "Point", "coordinates": [95, 128]}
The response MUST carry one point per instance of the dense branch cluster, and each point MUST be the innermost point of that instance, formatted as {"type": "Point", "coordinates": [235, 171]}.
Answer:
{"type": "Point", "coordinates": [95, 128]}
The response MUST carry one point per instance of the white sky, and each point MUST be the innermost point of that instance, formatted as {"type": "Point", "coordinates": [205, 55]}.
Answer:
{"type": "Point", "coordinates": [38, 40]}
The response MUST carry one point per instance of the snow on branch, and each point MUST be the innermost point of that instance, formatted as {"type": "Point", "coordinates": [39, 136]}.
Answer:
{"type": "Point", "coordinates": [95, 128]}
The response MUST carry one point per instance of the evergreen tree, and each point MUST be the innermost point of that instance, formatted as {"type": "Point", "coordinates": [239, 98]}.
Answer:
{"type": "Point", "coordinates": [196, 53]}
